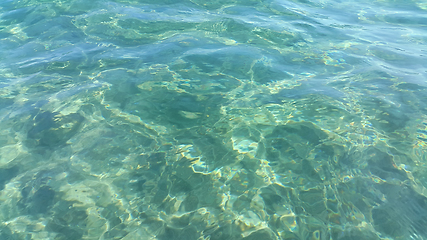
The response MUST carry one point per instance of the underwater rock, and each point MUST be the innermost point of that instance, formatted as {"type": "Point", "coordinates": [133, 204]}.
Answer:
{"type": "Point", "coordinates": [53, 129]}
{"type": "Point", "coordinates": [38, 202]}
{"type": "Point", "coordinates": [6, 174]}
{"type": "Point", "coordinates": [67, 222]}
{"type": "Point", "coordinates": [6, 234]}
{"type": "Point", "coordinates": [37, 195]}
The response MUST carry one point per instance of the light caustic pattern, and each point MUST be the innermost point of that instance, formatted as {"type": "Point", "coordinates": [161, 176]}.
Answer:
{"type": "Point", "coordinates": [212, 120]}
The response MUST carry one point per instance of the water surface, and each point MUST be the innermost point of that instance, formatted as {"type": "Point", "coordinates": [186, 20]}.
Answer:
{"type": "Point", "coordinates": [219, 120]}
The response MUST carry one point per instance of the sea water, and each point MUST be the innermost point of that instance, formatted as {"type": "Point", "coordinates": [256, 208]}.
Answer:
{"type": "Point", "coordinates": [213, 120]}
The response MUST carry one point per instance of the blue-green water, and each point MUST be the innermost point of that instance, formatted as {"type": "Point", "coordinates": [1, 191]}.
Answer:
{"type": "Point", "coordinates": [213, 120]}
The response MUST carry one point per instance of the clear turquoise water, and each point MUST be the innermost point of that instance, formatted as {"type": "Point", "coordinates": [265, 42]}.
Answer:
{"type": "Point", "coordinates": [213, 120]}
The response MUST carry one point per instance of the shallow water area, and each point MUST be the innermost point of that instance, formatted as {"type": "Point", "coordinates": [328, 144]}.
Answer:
{"type": "Point", "coordinates": [213, 120]}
